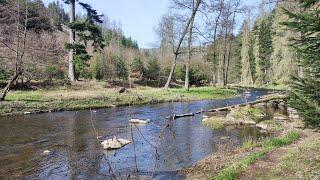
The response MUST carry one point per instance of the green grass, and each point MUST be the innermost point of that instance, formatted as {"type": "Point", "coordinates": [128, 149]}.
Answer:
{"type": "Point", "coordinates": [213, 122]}
{"type": "Point", "coordinates": [252, 112]}
{"type": "Point", "coordinates": [95, 95]}
{"type": "Point", "coordinates": [303, 162]}
{"type": "Point", "coordinates": [249, 144]}
{"type": "Point", "coordinates": [282, 141]}
{"type": "Point", "coordinates": [232, 171]}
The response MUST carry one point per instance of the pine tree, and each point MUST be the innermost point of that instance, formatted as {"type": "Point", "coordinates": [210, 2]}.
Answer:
{"type": "Point", "coordinates": [137, 66]}
{"type": "Point", "coordinates": [121, 68]}
{"type": "Point", "coordinates": [305, 92]}
{"type": "Point", "coordinates": [86, 31]}
{"type": "Point", "coordinates": [265, 48]}
{"type": "Point", "coordinates": [153, 69]}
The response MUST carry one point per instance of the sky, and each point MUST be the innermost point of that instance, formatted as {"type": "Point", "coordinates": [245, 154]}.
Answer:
{"type": "Point", "coordinates": [137, 17]}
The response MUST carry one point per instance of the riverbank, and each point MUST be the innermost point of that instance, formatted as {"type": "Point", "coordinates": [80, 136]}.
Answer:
{"type": "Point", "coordinates": [293, 153]}
{"type": "Point", "coordinates": [94, 95]}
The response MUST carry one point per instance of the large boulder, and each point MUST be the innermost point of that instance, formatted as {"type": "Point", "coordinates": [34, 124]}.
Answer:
{"type": "Point", "coordinates": [114, 143]}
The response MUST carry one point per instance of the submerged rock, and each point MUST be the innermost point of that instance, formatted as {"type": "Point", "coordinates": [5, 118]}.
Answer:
{"type": "Point", "coordinates": [139, 121]}
{"type": "Point", "coordinates": [114, 143]}
{"type": "Point", "coordinates": [46, 153]}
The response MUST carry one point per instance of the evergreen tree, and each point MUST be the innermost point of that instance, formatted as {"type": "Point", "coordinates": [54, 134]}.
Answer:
{"type": "Point", "coordinates": [100, 69]}
{"type": "Point", "coordinates": [137, 66]}
{"type": "Point", "coordinates": [153, 69]}
{"type": "Point", "coordinates": [252, 59]}
{"type": "Point", "coordinates": [86, 31]}
{"type": "Point", "coordinates": [265, 48]}
{"type": "Point", "coordinates": [305, 92]}
{"type": "Point", "coordinates": [121, 68]}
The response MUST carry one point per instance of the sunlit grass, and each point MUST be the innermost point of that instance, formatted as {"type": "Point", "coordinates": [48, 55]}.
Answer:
{"type": "Point", "coordinates": [96, 95]}
{"type": "Point", "coordinates": [213, 122]}
{"type": "Point", "coordinates": [232, 171]}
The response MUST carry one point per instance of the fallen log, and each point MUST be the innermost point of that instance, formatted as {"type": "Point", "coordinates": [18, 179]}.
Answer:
{"type": "Point", "coordinates": [176, 116]}
{"type": "Point", "coordinates": [228, 108]}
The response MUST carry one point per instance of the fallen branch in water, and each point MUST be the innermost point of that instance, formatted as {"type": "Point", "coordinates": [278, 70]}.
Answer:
{"type": "Point", "coordinates": [267, 99]}
{"type": "Point", "coordinates": [175, 116]}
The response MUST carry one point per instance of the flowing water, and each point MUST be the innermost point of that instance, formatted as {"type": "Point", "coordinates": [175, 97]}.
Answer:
{"type": "Point", "coordinates": [160, 148]}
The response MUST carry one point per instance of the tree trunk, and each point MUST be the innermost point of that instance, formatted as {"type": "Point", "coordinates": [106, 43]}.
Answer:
{"type": "Point", "coordinates": [71, 41]}
{"type": "Point", "coordinates": [186, 80]}
{"type": "Point", "coordinates": [8, 86]}
{"type": "Point", "coordinates": [177, 50]}
{"type": "Point", "coordinates": [230, 45]}
{"type": "Point", "coordinates": [224, 57]}
{"type": "Point", "coordinates": [171, 71]}
{"type": "Point", "coordinates": [214, 77]}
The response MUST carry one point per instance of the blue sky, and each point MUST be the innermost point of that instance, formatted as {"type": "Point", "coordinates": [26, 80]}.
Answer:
{"type": "Point", "coordinates": [137, 17]}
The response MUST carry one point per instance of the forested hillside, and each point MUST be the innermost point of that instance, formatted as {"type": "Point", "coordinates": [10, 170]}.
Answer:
{"type": "Point", "coordinates": [199, 43]}
{"type": "Point", "coordinates": [258, 54]}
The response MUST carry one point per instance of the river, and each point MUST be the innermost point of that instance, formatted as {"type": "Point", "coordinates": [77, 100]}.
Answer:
{"type": "Point", "coordinates": [160, 148]}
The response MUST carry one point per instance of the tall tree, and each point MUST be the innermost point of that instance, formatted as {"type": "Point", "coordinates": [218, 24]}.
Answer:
{"type": "Point", "coordinates": [216, 8]}
{"type": "Point", "coordinates": [176, 50]}
{"type": "Point", "coordinates": [246, 74]}
{"type": "Point", "coordinates": [305, 92]}
{"type": "Point", "coordinates": [86, 30]}
{"type": "Point", "coordinates": [265, 48]}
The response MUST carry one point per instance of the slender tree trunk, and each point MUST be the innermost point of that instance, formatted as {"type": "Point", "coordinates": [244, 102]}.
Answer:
{"type": "Point", "coordinates": [71, 41]}
{"type": "Point", "coordinates": [214, 77]}
{"type": "Point", "coordinates": [224, 57]}
{"type": "Point", "coordinates": [230, 45]}
{"type": "Point", "coordinates": [177, 50]}
{"type": "Point", "coordinates": [8, 86]}
{"type": "Point", "coordinates": [186, 80]}
{"type": "Point", "coordinates": [173, 67]}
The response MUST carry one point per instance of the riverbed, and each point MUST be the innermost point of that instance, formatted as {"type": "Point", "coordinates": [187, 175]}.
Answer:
{"type": "Point", "coordinates": [159, 149]}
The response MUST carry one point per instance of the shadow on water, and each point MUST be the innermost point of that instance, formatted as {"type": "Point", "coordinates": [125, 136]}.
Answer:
{"type": "Point", "coordinates": [160, 148]}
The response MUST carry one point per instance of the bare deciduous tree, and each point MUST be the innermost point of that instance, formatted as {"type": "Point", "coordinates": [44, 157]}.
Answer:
{"type": "Point", "coordinates": [176, 50]}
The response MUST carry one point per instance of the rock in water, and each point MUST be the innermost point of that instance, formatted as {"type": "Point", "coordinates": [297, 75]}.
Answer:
{"type": "Point", "coordinates": [46, 153]}
{"type": "Point", "coordinates": [139, 121]}
{"type": "Point", "coordinates": [114, 143]}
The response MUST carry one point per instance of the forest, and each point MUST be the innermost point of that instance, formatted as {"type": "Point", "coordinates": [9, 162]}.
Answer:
{"type": "Point", "coordinates": [65, 56]}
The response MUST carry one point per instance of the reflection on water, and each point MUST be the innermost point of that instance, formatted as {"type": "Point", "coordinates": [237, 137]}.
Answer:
{"type": "Point", "coordinates": [160, 149]}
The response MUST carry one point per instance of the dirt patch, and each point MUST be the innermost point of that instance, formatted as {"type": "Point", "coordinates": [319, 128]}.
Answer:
{"type": "Point", "coordinates": [211, 165]}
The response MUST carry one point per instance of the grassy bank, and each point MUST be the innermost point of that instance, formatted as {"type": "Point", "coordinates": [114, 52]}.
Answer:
{"type": "Point", "coordinates": [95, 95]}
{"type": "Point", "coordinates": [236, 168]}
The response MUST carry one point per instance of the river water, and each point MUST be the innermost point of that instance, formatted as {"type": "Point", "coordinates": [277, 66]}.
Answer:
{"type": "Point", "coordinates": [160, 148]}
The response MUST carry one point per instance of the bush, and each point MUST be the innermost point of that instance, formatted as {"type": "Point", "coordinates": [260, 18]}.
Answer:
{"type": "Point", "coordinates": [196, 74]}
{"type": "Point", "coordinates": [4, 75]}
{"type": "Point", "coordinates": [121, 68]}
{"type": "Point", "coordinates": [54, 73]}
{"type": "Point", "coordinates": [153, 69]}
{"type": "Point", "coordinates": [137, 66]}
{"type": "Point", "coordinates": [100, 69]}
